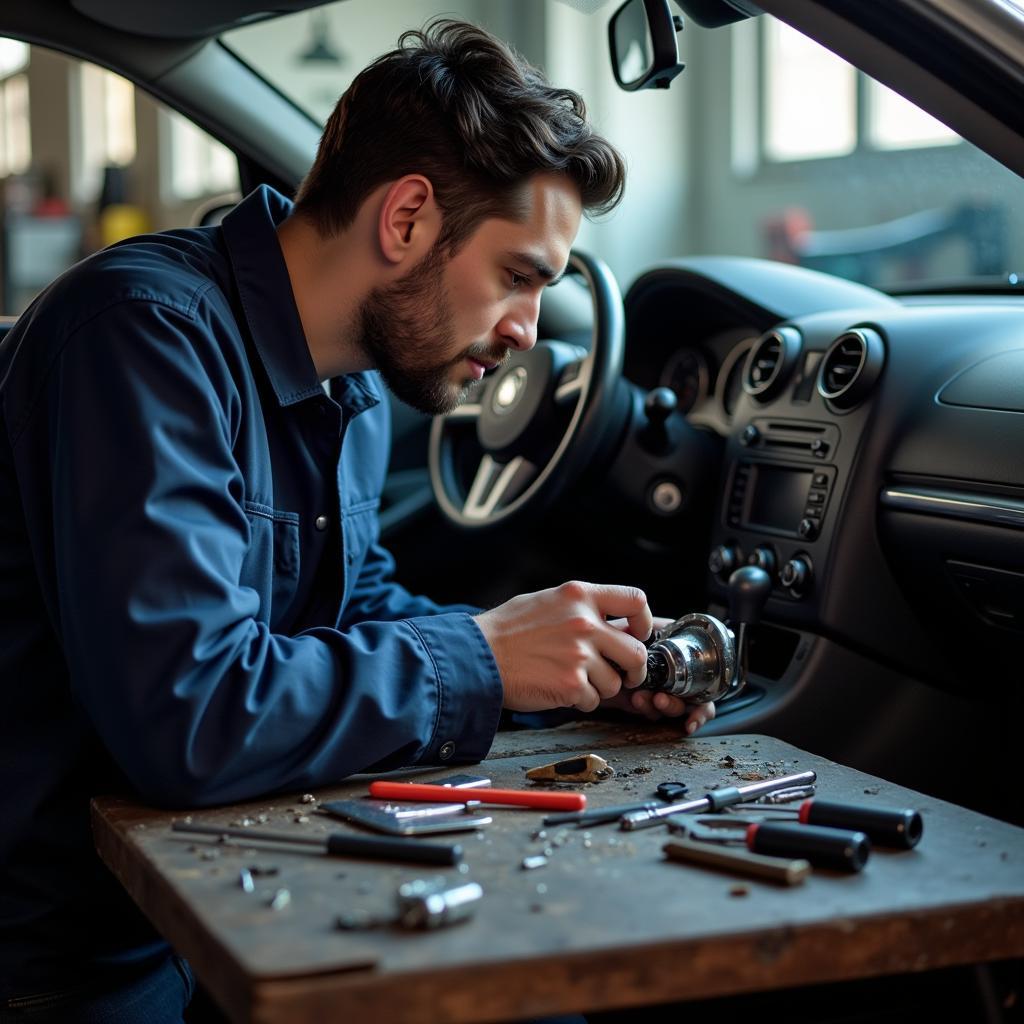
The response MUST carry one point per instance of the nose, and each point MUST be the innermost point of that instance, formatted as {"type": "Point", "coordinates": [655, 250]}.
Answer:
{"type": "Point", "coordinates": [518, 328]}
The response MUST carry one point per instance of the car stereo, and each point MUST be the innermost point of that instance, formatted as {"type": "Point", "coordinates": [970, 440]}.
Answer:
{"type": "Point", "coordinates": [768, 497]}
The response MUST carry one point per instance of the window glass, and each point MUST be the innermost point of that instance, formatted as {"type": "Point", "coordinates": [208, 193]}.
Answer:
{"type": "Point", "coordinates": [87, 159]}
{"type": "Point", "coordinates": [895, 123]}
{"type": "Point", "coordinates": [768, 144]}
{"type": "Point", "coordinates": [15, 134]}
{"type": "Point", "coordinates": [105, 118]}
{"type": "Point", "coordinates": [196, 164]}
{"type": "Point", "coordinates": [810, 98]}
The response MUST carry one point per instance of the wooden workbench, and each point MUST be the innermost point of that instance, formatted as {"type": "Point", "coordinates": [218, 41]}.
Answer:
{"type": "Point", "coordinates": [608, 922]}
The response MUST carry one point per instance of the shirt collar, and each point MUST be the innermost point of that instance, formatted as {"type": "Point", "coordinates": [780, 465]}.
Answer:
{"type": "Point", "coordinates": [250, 233]}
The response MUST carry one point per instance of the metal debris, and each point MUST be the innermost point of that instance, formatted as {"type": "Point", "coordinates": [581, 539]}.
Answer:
{"type": "Point", "coordinates": [263, 870]}
{"type": "Point", "coordinates": [307, 798]}
{"type": "Point", "coordinates": [359, 920]}
{"type": "Point", "coordinates": [281, 899]}
{"type": "Point", "coordinates": [245, 881]}
{"type": "Point", "coordinates": [537, 861]}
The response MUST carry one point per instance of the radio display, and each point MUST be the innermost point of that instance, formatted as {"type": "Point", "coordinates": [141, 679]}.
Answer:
{"type": "Point", "coordinates": [777, 498]}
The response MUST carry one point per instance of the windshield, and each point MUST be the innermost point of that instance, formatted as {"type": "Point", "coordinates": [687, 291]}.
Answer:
{"type": "Point", "coordinates": [767, 145]}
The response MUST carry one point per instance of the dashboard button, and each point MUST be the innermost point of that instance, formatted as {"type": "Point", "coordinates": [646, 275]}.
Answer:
{"type": "Point", "coordinates": [816, 498]}
{"type": "Point", "coordinates": [808, 529]}
{"type": "Point", "coordinates": [796, 575]}
{"type": "Point", "coordinates": [666, 497]}
{"type": "Point", "coordinates": [819, 448]}
{"type": "Point", "coordinates": [812, 512]}
{"type": "Point", "coordinates": [723, 560]}
{"type": "Point", "coordinates": [750, 436]}
{"type": "Point", "coordinates": [764, 558]}
{"type": "Point", "coordinates": [820, 480]}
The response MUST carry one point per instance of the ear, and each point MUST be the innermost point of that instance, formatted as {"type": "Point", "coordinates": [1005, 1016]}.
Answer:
{"type": "Point", "coordinates": [409, 221]}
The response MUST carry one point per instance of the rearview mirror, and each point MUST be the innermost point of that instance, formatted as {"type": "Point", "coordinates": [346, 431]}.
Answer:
{"type": "Point", "coordinates": [642, 38]}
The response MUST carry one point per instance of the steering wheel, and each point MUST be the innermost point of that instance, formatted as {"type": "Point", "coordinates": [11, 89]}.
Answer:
{"type": "Point", "coordinates": [529, 430]}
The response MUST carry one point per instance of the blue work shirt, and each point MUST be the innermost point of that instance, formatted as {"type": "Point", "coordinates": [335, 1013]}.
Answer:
{"type": "Point", "coordinates": [193, 598]}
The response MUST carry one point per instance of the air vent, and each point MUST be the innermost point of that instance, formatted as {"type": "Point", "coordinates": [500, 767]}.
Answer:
{"type": "Point", "coordinates": [850, 368]}
{"type": "Point", "coordinates": [770, 362]}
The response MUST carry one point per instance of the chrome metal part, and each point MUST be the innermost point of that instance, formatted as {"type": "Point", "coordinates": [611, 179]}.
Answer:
{"type": "Point", "coordinates": [694, 658]}
{"type": "Point", "coordinates": [434, 903]}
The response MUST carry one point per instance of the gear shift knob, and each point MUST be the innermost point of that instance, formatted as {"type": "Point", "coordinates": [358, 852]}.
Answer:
{"type": "Point", "coordinates": [749, 589]}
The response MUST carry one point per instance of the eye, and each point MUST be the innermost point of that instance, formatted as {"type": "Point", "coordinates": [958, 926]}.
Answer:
{"type": "Point", "coordinates": [517, 280]}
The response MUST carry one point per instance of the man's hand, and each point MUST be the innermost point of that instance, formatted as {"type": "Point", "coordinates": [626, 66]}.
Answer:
{"type": "Point", "coordinates": [553, 647]}
{"type": "Point", "coordinates": [660, 705]}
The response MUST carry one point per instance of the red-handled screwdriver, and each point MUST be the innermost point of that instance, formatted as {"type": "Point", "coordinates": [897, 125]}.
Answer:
{"type": "Point", "coordinates": [451, 795]}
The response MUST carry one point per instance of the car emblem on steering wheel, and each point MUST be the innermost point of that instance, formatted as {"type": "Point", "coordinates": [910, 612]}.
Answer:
{"type": "Point", "coordinates": [509, 391]}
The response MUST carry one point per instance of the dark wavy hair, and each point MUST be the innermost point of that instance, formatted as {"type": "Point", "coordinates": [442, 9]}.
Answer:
{"type": "Point", "coordinates": [455, 104]}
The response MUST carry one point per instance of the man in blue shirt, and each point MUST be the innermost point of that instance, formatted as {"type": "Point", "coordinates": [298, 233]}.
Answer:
{"type": "Point", "coordinates": [194, 601]}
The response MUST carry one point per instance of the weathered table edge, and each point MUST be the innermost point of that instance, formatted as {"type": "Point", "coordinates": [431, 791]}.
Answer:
{"type": "Point", "coordinates": [659, 973]}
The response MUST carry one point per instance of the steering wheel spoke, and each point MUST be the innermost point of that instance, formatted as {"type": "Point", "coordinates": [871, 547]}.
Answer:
{"type": "Point", "coordinates": [573, 382]}
{"type": "Point", "coordinates": [468, 412]}
{"type": "Point", "coordinates": [495, 484]}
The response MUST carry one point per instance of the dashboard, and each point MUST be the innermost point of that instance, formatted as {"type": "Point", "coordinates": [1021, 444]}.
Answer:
{"type": "Point", "coordinates": [870, 460]}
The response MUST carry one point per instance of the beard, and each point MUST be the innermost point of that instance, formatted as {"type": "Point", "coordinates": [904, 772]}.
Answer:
{"type": "Point", "coordinates": [403, 327]}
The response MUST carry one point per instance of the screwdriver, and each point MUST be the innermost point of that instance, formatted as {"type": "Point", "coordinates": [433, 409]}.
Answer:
{"type": "Point", "coordinates": [341, 845]}
{"type": "Point", "coordinates": [516, 797]}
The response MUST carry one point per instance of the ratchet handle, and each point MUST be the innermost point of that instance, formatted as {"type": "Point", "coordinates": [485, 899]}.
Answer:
{"type": "Point", "coordinates": [823, 847]}
{"type": "Point", "coordinates": [886, 826]}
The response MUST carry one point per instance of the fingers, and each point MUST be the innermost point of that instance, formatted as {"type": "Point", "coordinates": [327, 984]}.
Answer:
{"type": "Point", "coordinates": [663, 705]}
{"type": "Point", "coordinates": [603, 682]}
{"type": "Point", "coordinates": [625, 651]}
{"type": "Point", "coordinates": [628, 602]}
{"type": "Point", "coordinates": [700, 714]}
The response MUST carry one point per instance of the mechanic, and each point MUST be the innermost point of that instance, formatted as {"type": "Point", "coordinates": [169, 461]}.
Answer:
{"type": "Point", "coordinates": [195, 602]}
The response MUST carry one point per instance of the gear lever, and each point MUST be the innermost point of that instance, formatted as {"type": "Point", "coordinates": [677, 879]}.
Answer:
{"type": "Point", "coordinates": [700, 658]}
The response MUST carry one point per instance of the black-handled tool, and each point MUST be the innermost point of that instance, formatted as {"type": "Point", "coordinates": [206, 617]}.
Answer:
{"type": "Point", "coordinates": [599, 815]}
{"type": "Point", "coordinates": [823, 847]}
{"type": "Point", "coordinates": [885, 826]}
{"type": "Point", "coordinates": [340, 845]}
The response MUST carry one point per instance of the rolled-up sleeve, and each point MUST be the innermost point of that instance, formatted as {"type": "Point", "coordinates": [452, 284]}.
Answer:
{"type": "Point", "coordinates": [197, 700]}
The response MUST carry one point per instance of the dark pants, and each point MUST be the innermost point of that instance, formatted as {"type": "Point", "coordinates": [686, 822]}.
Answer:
{"type": "Point", "coordinates": [157, 995]}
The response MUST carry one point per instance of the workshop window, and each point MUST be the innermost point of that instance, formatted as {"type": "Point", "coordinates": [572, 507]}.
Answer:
{"type": "Point", "coordinates": [816, 105]}
{"type": "Point", "coordinates": [15, 135]}
{"type": "Point", "coordinates": [105, 125]}
{"type": "Point", "coordinates": [195, 164]}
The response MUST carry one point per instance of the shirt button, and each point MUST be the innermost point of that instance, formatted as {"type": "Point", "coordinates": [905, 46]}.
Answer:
{"type": "Point", "coordinates": [446, 751]}
{"type": "Point", "coordinates": [321, 523]}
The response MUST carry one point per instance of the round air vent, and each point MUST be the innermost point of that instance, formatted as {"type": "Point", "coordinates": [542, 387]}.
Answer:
{"type": "Point", "coordinates": [770, 362]}
{"type": "Point", "coordinates": [850, 368]}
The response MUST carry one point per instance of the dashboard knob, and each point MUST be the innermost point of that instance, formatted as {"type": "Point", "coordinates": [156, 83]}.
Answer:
{"type": "Point", "coordinates": [749, 436]}
{"type": "Point", "coordinates": [723, 560]}
{"type": "Point", "coordinates": [796, 576]}
{"type": "Point", "coordinates": [808, 529]}
{"type": "Point", "coordinates": [764, 558]}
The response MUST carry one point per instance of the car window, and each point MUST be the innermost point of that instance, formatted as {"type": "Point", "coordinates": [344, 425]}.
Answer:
{"type": "Point", "coordinates": [85, 160]}
{"type": "Point", "coordinates": [767, 145]}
